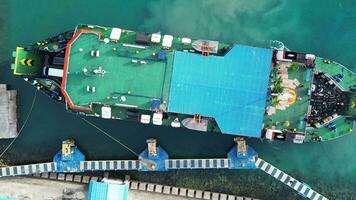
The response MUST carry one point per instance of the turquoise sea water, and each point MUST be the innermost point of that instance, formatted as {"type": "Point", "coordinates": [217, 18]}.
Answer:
{"type": "Point", "coordinates": [324, 27]}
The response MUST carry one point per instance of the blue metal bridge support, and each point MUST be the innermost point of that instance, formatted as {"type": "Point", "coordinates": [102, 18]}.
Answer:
{"type": "Point", "coordinates": [242, 160]}
{"type": "Point", "coordinates": [155, 158]}
{"type": "Point", "coordinates": [69, 158]}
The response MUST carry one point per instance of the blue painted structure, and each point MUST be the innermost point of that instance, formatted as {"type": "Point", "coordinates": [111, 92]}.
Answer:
{"type": "Point", "coordinates": [308, 76]}
{"type": "Point", "coordinates": [232, 89]}
{"type": "Point", "coordinates": [104, 191]}
{"type": "Point", "coordinates": [242, 160]}
{"type": "Point", "coordinates": [301, 125]}
{"type": "Point", "coordinates": [161, 55]}
{"type": "Point", "coordinates": [75, 162]}
{"type": "Point", "coordinates": [70, 163]}
{"type": "Point", "coordinates": [158, 159]}
{"type": "Point", "coordinates": [155, 104]}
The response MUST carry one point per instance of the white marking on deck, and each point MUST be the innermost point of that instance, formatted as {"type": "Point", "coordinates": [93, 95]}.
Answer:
{"type": "Point", "coordinates": [278, 172]}
{"type": "Point", "coordinates": [3, 170]}
{"type": "Point", "coordinates": [292, 181]}
{"type": "Point", "coordinates": [126, 164]}
{"type": "Point", "coordinates": [211, 163]}
{"type": "Point", "coordinates": [310, 193]}
{"type": "Point", "coordinates": [196, 163]}
{"type": "Point", "coordinates": [134, 166]}
{"type": "Point", "coordinates": [316, 196]}
{"type": "Point", "coordinates": [120, 164]}
{"type": "Point", "coordinates": [284, 177]}
{"type": "Point", "coordinates": [111, 165]}
{"type": "Point", "coordinates": [133, 46]}
{"type": "Point", "coordinates": [18, 170]}
{"type": "Point", "coordinates": [33, 167]}
{"type": "Point", "coordinates": [218, 163]}
{"type": "Point", "coordinates": [11, 170]}
{"type": "Point", "coordinates": [27, 171]}
{"type": "Point", "coordinates": [189, 164]}
{"type": "Point", "coordinates": [203, 163]}
{"type": "Point", "coordinates": [41, 166]}
{"type": "Point", "coordinates": [303, 189]}
{"type": "Point", "coordinates": [270, 170]}
{"type": "Point", "coordinates": [258, 161]}
{"type": "Point", "coordinates": [297, 185]}
{"type": "Point", "coordinates": [181, 164]}
{"type": "Point", "coordinates": [81, 165]}
{"type": "Point", "coordinates": [103, 165]}
{"type": "Point", "coordinates": [50, 167]}
{"type": "Point", "coordinates": [264, 166]}
{"type": "Point", "coordinates": [226, 163]}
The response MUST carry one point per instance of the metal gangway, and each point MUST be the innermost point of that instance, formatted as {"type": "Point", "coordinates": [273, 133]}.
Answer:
{"type": "Point", "coordinates": [156, 159]}
{"type": "Point", "coordinates": [302, 188]}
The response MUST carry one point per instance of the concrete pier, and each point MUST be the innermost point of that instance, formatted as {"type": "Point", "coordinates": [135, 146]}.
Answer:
{"type": "Point", "coordinates": [8, 113]}
{"type": "Point", "coordinates": [63, 186]}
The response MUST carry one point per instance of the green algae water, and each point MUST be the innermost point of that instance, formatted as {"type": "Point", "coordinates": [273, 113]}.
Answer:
{"type": "Point", "coordinates": [324, 27]}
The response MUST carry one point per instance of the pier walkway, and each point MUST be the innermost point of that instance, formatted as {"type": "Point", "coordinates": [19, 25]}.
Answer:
{"type": "Point", "coordinates": [28, 169]}
{"type": "Point", "coordinates": [115, 165]}
{"type": "Point", "coordinates": [171, 164]}
{"type": "Point", "coordinates": [69, 186]}
{"type": "Point", "coordinates": [302, 188]}
{"type": "Point", "coordinates": [156, 159]}
{"type": "Point", "coordinates": [8, 107]}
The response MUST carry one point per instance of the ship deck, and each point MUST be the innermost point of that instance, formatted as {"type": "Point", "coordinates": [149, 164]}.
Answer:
{"type": "Point", "coordinates": [293, 116]}
{"type": "Point", "coordinates": [35, 61]}
{"type": "Point", "coordinates": [124, 83]}
{"type": "Point", "coordinates": [344, 127]}
{"type": "Point", "coordinates": [334, 68]}
{"type": "Point", "coordinates": [134, 75]}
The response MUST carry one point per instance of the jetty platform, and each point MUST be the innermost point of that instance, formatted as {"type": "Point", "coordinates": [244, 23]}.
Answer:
{"type": "Point", "coordinates": [8, 107]}
{"type": "Point", "coordinates": [155, 159]}
{"type": "Point", "coordinates": [61, 186]}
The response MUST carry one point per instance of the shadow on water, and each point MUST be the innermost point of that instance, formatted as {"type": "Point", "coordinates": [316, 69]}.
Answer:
{"type": "Point", "coordinates": [302, 25]}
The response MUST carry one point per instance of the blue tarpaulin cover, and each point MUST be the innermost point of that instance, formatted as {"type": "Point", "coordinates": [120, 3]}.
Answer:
{"type": "Point", "coordinates": [105, 191]}
{"type": "Point", "coordinates": [232, 89]}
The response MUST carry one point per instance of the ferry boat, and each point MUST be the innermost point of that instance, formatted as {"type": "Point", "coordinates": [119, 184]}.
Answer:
{"type": "Point", "coordinates": [203, 85]}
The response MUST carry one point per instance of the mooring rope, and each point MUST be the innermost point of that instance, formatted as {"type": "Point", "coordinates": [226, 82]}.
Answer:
{"type": "Point", "coordinates": [23, 125]}
{"type": "Point", "coordinates": [110, 136]}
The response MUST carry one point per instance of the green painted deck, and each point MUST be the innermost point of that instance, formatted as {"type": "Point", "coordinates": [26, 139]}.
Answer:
{"type": "Point", "coordinates": [335, 68]}
{"type": "Point", "coordinates": [138, 83]}
{"type": "Point", "coordinates": [127, 84]}
{"type": "Point", "coordinates": [295, 113]}
{"type": "Point", "coordinates": [343, 127]}
{"type": "Point", "coordinates": [351, 109]}
{"type": "Point", "coordinates": [20, 69]}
